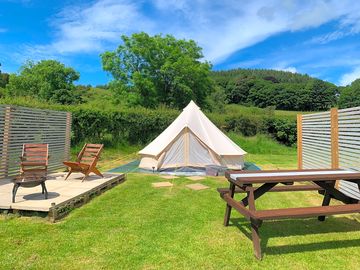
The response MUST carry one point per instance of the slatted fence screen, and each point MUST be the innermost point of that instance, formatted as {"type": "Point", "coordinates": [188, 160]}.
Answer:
{"type": "Point", "coordinates": [19, 125]}
{"type": "Point", "coordinates": [331, 140]}
{"type": "Point", "coordinates": [316, 141]}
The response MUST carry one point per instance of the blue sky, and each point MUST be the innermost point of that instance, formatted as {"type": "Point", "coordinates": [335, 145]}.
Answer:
{"type": "Point", "coordinates": [320, 38]}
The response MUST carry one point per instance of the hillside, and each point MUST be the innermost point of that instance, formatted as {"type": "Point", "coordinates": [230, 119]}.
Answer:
{"type": "Point", "coordinates": [282, 90]}
{"type": "Point", "coordinates": [266, 74]}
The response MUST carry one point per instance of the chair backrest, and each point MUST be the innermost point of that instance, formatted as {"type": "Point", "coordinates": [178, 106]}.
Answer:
{"type": "Point", "coordinates": [34, 160]}
{"type": "Point", "coordinates": [90, 154]}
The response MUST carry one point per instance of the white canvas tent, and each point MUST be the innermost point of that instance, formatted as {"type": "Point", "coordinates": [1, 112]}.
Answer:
{"type": "Point", "coordinates": [192, 140]}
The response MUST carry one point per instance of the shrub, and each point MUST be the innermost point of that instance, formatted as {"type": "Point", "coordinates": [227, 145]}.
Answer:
{"type": "Point", "coordinates": [283, 130]}
{"type": "Point", "coordinates": [139, 125]}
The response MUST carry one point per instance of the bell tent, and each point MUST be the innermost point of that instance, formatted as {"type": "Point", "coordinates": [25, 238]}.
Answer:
{"type": "Point", "coordinates": [192, 140]}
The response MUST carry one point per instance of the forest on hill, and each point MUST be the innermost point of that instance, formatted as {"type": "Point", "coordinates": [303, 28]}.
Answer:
{"type": "Point", "coordinates": [280, 89]}
{"type": "Point", "coordinates": [284, 90]}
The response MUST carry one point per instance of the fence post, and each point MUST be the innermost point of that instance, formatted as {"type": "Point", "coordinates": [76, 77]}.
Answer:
{"type": "Point", "coordinates": [5, 142]}
{"type": "Point", "coordinates": [299, 141]}
{"type": "Point", "coordinates": [67, 136]}
{"type": "Point", "coordinates": [335, 140]}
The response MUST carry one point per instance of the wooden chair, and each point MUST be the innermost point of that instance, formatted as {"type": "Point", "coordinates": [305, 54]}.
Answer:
{"type": "Point", "coordinates": [86, 161]}
{"type": "Point", "coordinates": [34, 160]}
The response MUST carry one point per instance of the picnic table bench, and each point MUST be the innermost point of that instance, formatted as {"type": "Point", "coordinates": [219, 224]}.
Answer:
{"type": "Point", "coordinates": [322, 181]}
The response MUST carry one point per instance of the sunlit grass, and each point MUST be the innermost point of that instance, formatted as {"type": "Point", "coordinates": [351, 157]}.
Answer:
{"type": "Point", "coordinates": [265, 152]}
{"type": "Point", "coordinates": [135, 226]}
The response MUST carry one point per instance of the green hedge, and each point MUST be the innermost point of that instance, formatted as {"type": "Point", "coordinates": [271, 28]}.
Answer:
{"type": "Point", "coordinates": [129, 125]}
{"type": "Point", "coordinates": [280, 128]}
{"type": "Point", "coordinates": [140, 125]}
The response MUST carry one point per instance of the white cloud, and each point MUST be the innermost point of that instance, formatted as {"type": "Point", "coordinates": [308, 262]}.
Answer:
{"type": "Point", "coordinates": [289, 69]}
{"type": "Point", "coordinates": [348, 78]}
{"type": "Point", "coordinates": [285, 66]}
{"type": "Point", "coordinates": [81, 29]}
{"type": "Point", "coordinates": [349, 25]}
{"type": "Point", "coordinates": [221, 27]}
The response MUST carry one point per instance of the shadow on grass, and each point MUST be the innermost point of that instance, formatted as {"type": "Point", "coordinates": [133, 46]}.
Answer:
{"type": "Point", "coordinates": [298, 248]}
{"type": "Point", "coordinates": [300, 227]}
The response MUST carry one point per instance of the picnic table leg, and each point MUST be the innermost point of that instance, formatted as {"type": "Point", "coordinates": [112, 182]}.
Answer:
{"type": "Point", "coordinates": [256, 240]}
{"type": "Point", "coordinates": [326, 202]}
{"type": "Point", "coordinates": [254, 224]}
{"type": "Point", "coordinates": [228, 207]}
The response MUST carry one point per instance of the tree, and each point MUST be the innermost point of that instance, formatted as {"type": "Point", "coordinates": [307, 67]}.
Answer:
{"type": "Point", "coordinates": [238, 89]}
{"type": "Point", "coordinates": [149, 70]}
{"type": "Point", "coordinates": [47, 80]}
{"type": "Point", "coordinates": [4, 79]}
{"type": "Point", "coordinates": [216, 100]}
{"type": "Point", "coordinates": [350, 95]}
{"type": "Point", "coordinates": [323, 95]}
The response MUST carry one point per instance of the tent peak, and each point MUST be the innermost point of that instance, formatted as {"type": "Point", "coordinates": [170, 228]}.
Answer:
{"type": "Point", "coordinates": [191, 105]}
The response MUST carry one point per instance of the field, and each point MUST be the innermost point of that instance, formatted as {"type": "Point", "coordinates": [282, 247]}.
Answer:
{"type": "Point", "coordinates": [266, 153]}
{"type": "Point", "coordinates": [135, 226]}
{"type": "Point", "coordinates": [232, 108]}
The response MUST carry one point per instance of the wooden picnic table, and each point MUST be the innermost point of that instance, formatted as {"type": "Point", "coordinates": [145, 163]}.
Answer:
{"type": "Point", "coordinates": [322, 181]}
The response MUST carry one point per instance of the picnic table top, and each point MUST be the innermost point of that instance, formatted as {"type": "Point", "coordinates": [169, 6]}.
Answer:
{"type": "Point", "coordinates": [274, 176]}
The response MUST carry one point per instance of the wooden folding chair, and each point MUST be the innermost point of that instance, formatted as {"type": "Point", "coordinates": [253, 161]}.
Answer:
{"type": "Point", "coordinates": [86, 161]}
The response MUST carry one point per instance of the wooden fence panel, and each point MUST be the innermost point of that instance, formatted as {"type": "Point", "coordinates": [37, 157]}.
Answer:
{"type": "Point", "coordinates": [315, 151]}
{"type": "Point", "coordinates": [349, 147]}
{"type": "Point", "coordinates": [331, 140]}
{"type": "Point", "coordinates": [19, 125]}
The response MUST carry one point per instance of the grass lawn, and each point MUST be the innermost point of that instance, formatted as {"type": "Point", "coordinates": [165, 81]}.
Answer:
{"type": "Point", "coordinates": [135, 226]}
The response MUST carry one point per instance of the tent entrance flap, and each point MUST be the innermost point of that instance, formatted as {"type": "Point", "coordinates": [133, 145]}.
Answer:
{"type": "Point", "coordinates": [187, 151]}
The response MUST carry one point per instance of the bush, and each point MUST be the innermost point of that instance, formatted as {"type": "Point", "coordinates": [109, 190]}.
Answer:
{"type": "Point", "coordinates": [139, 125]}
{"type": "Point", "coordinates": [244, 125]}
{"type": "Point", "coordinates": [136, 125]}
{"type": "Point", "coordinates": [283, 130]}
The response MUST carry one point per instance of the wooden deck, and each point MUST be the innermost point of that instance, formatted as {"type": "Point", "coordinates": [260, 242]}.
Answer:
{"type": "Point", "coordinates": [63, 195]}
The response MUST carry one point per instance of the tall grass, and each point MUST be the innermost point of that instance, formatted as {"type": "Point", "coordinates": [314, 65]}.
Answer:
{"type": "Point", "coordinates": [261, 144]}
{"type": "Point", "coordinates": [265, 152]}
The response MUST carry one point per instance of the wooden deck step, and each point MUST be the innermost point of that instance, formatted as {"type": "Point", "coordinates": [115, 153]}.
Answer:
{"type": "Point", "coordinates": [307, 211]}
